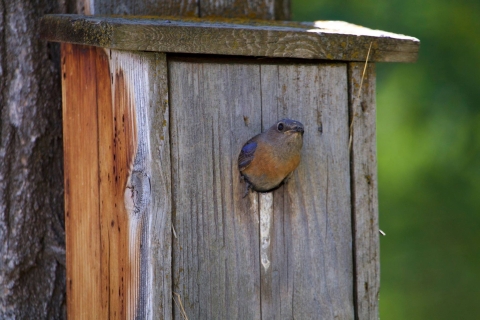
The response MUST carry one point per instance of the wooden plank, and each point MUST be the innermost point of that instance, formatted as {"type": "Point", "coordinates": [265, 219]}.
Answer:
{"type": "Point", "coordinates": [140, 115]}
{"type": "Point", "coordinates": [290, 250]}
{"type": "Point", "coordinates": [119, 137]}
{"type": "Point", "coordinates": [82, 208]}
{"type": "Point", "coordinates": [252, 9]}
{"type": "Point", "coordinates": [215, 109]}
{"type": "Point", "coordinates": [318, 40]}
{"type": "Point", "coordinates": [186, 8]}
{"type": "Point", "coordinates": [158, 249]}
{"type": "Point", "coordinates": [118, 146]}
{"type": "Point", "coordinates": [310, 262]}
{"type": "Point", "coordinates": [364, 190]}
{"type": "Point", "coordinates": [107, 188]}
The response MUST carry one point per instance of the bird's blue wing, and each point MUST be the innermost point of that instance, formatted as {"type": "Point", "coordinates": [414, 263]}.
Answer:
{"type": "Point", "coordinates": [246, 155]}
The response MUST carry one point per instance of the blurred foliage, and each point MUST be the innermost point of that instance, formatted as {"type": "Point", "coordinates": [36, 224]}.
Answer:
{"type": "Point", "coordinates": [428, 134]}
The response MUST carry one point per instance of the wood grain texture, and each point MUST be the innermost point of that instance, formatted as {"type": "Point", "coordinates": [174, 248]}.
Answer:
{"type": "Point", "coordinates": [281, 255]}
{"type": "Point", "coordinates": [124, 273]}
{"type": "Point", "coordinates": [253, 9]}
{"type": "Point", "coordinates": [183, 8]}
{"type": "Point", "coordinates": [364, 190]}
{"type": "Point", "coordinates": [158, 249]}
{"type": "Point", "coordinates": [319, 40]}
{"type": "Point", "coordinates": [310, 274]}
{"type": "Point", "coordinates": [119, 128]}
{"type": "Point", "coordinates": [216, 249]}
{"type": "Point", "coordinates": [147, 199]}
{"type": "Point", "coordinates": [82, 207]}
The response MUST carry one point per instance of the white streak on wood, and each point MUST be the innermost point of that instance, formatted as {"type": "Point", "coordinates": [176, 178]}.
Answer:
{"type": "Point", "coordinates": [90, 7]}
{"type": "Point", "coordinates": [254, 206]}
{"type": "Point", "coordinates": [342, 27]}
{"type": "Point", "coordinates": [266, 219]}
{"type": "Point", "coordinates": [137, 193]}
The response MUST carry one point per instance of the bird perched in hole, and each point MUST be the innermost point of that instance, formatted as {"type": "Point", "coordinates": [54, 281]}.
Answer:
{"type": "Point", "coordinates": [268, 159]}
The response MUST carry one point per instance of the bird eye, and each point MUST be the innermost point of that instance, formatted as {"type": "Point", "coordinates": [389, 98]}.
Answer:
{"type": "Point", "coordinates": [280, 126]}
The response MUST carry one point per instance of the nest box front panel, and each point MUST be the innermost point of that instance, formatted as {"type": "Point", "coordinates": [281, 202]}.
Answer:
{"type": "Point", "coordinates": [280, 253]}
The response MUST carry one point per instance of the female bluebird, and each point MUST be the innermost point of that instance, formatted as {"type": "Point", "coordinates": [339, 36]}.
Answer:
{"type": "Point", "coordinates": [268, 159]}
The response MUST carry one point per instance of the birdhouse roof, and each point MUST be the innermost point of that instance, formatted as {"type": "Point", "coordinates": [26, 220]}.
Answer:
{"type": "Point", "coordinates": [326, 40]}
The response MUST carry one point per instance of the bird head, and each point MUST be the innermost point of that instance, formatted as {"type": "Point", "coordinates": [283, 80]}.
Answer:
{"type": "Point", "coordinates": [287, 131]}
{"type": "Point", "coordinates": [288, 127]}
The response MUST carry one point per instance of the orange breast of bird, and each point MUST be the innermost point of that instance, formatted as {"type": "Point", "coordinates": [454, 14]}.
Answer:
{"type": "Point", "coordinates": [267, 169]}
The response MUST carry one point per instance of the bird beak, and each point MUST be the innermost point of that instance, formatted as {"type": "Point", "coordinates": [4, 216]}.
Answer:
{"type": "Point", "coordinates": [300, 129]}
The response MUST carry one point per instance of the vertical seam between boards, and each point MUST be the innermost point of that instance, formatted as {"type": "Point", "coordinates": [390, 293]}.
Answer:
{"type": "Point", "coordinates": [351, 115]}
{"type": "Point", "coordinates": [172, 187]}
{"type": "Point", "coordinates": [258, 197]}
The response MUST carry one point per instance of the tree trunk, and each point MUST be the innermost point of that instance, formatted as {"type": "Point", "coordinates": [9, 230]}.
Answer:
{"type": "Point", "coordinates": [32, 240]}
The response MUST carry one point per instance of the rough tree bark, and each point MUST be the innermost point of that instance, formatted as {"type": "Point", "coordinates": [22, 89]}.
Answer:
{"type": "Point", "coordinates": [32, 258]}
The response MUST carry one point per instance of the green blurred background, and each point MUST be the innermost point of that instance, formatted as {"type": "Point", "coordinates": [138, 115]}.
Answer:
{"type": "Point", "coordinates": [428, 135]}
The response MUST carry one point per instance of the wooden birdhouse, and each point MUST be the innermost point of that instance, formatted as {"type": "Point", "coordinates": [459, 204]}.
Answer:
{"type": "Point", "coordinates": [155, 113]}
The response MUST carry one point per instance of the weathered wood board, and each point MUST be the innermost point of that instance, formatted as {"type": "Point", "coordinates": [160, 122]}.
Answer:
{"type": "Point", "coordinates": [116, 138]}
{"type": "Point", "coordinates": [311, 261]}
{"type": "Point", "coordinates": [286, 254]}
{"type": "Point", "coordinates": [364, 189]}
{"type": "Point", "coordinates": [327, 40]}
{"type": "Point", "coordinates": [216, 268]}
{"type": "Point", "coordinates": [253, 9]}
